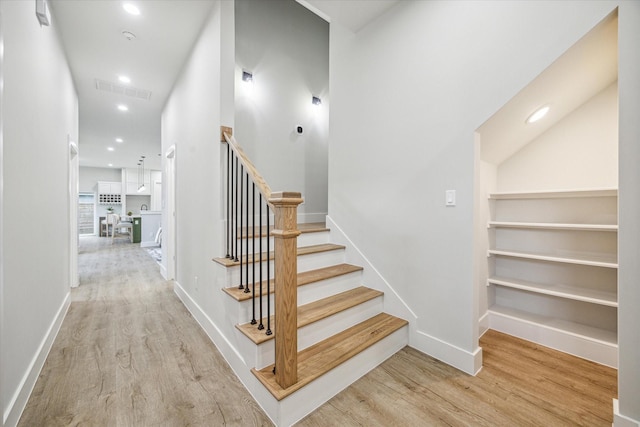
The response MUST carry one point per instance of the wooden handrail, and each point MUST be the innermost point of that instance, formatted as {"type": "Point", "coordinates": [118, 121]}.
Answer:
{"type": "Point", "coordinates": [285, 232]}
{"type": "Point", "coordinates": [260, 182]}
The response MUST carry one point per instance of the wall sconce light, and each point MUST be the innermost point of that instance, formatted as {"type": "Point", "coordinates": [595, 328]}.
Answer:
{"type": "Point", "coordinates": [316, 101]}
{"type": "Point", "coordinates": [42, 12]}
{"type": "Point", "coordinates": [247, 77]}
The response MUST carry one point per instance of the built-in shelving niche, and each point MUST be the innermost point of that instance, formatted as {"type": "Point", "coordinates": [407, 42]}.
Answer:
{"type": "Point", "coordinates": [552, 272]}
{"type": "Point", "coordinates": [546, 218]}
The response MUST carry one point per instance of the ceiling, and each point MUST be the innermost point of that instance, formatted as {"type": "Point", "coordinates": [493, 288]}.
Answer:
{"type": "Point", "coordinates": [92, 35]}
{"type": "Point", "coordinates": [96, 49]}
{"type": "Point", "coordinates": [584, 70]}
{"type": "Point", "coordinates": [165, 30]}
{"type": "Point", "coordinates": [353, 14]}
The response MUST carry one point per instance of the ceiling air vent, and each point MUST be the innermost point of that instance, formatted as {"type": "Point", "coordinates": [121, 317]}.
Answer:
{"type": "Point", "coordinates": [123, 90]}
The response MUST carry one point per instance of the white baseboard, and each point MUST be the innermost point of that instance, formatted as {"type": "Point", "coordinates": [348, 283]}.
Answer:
{"type": "Point", "coordinates": [20, 398]}
{"type": "Point", "coordinates": [620, 420]}
{"type": "Point", "coordinates": [483, 324]}
{"type": "Point", "coordinates": [395, 305]}
{"type": "Point", "coordinates": [163, 272]}
{"type": "Point", "coordinates": [371, 277]}
{"type": "Point", "coordinates": [567, 342]}
{"type": "Point", "coordinates": [149, 244]}
{"type": "Point", "coordinates": [228, 351]}
{"type": "Point", "coordinates": [469, 362]}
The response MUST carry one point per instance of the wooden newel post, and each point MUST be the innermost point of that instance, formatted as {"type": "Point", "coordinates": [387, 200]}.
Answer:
{"type": "Point", "coordinates": [285, 233]}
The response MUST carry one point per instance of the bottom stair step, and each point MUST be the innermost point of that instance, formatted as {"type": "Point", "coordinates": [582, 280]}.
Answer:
{"type": "Point", "coordinates": [320, 358]}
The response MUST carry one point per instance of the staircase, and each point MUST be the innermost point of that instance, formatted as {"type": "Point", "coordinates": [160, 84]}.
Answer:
{"type": "Point", "coordinates": [338, 319]}
{"type": "Point", "coordinates": [306, 327]}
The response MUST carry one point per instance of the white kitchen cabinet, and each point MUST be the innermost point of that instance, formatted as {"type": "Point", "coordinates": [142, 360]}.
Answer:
{"type": "Point", "coordinates": [109, 193]}
{"type": "Point", "coordinates": [134, 178]}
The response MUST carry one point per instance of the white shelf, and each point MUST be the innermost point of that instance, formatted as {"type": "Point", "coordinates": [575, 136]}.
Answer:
{"type": "Point", "coordinates": [553, 226]}
{"type": "Point", "coordinates": [594, 192]}
{"type": "Point", "coordinates": [590, 333]}
{"type": "Point", "coordinates": [596, 260]}
{"type": "Point", "coordinates": [563, 291]}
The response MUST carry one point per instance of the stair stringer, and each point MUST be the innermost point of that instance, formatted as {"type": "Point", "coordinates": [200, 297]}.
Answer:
{"type": "Point", "coordinates": [469, 362]}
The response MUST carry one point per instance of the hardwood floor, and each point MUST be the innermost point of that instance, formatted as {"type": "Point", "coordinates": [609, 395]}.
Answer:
{"type": "Point", "coordinates": [521, 384]}
{"type": "Point", "coordinates": [130, 354]}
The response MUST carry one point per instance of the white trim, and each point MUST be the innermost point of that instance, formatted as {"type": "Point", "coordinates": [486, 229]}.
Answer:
{"type": "Point", "coordinates": [19, 400]}
{"type": "Point", "coordinates": [205, 322]}
{"type": "Point", "coordinates": [483, 323]}
{"type": "Point", "coordinates": [393, 303]}
{"type": "Point", "coordinates": [149, 244]}
{"type": "Point", "coordinates": [549, 333]}
{"type": "Point", "coordinates": [2, 402]}
{"type": "Point", "coordinates": [620, 420]}
{"type": "Point", "coordinates": [228, 351]}
{"type": "Point", "coordinates": [469, 362]}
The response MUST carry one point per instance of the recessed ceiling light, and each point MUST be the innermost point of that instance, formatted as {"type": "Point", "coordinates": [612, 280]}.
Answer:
{"type": "Point", "coordinates": [123, 107]}
{"type": "Point", "coordinates": [124, 79]}
{"type": "Point", "coordinates": [110, 164]}
{"type": "Point", "coordinates": [538, 114]}
{"type": "Point", "coordinates": [110, 148]}
{"type": "Point", "coordinates": [131, 8]}
{"type": "Point", "coordinates": [119, 140]}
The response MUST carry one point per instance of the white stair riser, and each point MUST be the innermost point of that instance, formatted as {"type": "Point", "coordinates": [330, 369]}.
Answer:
{"type": "Point", "coordinates": [304, 239]}
{"type": "Point", "coordinates": [306, 294]}
{"type": "Point", "coordinates": [318, 331]}
{"type": "Point", "coordinates": [293, 408]}
{"type": "Point", "coordinates": [305, 263]}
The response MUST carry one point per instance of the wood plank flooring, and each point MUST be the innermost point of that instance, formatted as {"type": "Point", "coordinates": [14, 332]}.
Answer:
{"type": "Point", "coordinates": [521, 384]}
{"type": "Point", "coordinates": [129, 354]}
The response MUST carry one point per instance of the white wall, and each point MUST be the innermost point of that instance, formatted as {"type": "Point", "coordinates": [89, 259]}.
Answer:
{"type": "Point", "coordinates": [408, 91]}
{"type": "Point", "coordinates": [40, 112]}
{"type": "Point", "coordinates": [629, 214]}
{"type": "Point", "coordinates": [191, 121]}
{"type": "Point", "coordinates": [89, 177]}
{"type": "Point", "coordinates": [286, 47]}
{"type": "Point", "coordinates": [580, 151]}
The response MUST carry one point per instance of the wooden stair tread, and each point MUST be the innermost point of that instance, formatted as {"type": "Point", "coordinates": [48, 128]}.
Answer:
{"type": "Point", "coordinates": [314, 311]}
{"type": "Point", "coordinates": [304, 250]}
{"type": "Point", "coordinates": [310, 227]}
{"type": "Point", "coordinates": [304, 278]}
{"type": "Point", "coordinates": [326, 355]}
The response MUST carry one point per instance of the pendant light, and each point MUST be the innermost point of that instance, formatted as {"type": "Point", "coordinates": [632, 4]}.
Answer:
{"type": "Point", "coordinates": [141, 188]}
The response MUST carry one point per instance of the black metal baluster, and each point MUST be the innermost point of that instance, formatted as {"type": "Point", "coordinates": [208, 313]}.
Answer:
{"type": "Point", "coordinates": [268, 278]}
{"type": "Point", "coordinates": [228, 191]}
{"type": "Point", "coordinates": [246, 276]}
{"type": "Point", "coordinates": [253, 243]}
{"type": "Point", "coordinates": [235, 206]}
{"type": "Point", "coordinates": [260, 326]}
{"type": "Point", "coordinates": [240, 228]}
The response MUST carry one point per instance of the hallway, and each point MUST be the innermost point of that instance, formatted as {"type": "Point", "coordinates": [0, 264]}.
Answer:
{"type": "Point", "coordinates": [129, 354]}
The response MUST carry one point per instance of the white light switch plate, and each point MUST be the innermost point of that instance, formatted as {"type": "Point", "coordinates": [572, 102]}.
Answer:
{"type": "Point", "coordinates": [450, 198]}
